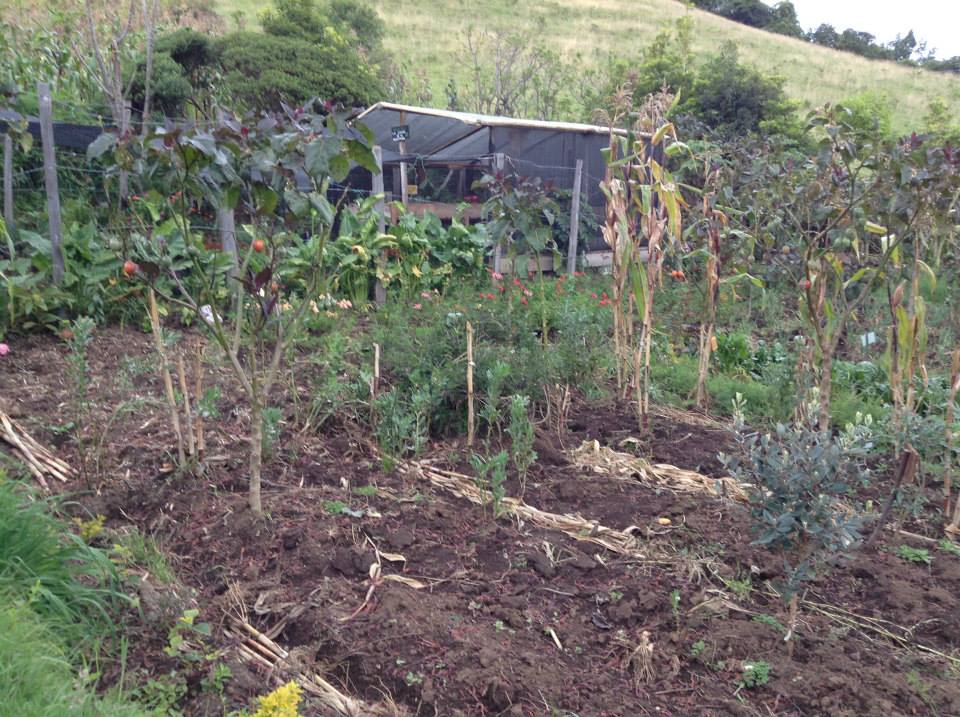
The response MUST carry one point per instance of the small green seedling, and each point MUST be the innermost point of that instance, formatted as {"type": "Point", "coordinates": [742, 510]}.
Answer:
{"type": "Point", "coordinates": [755, 674]}
{"type": "Point", "coordinates": [915, 555]}
{"type": "Point", "coordinates": [948, 546]}
{"type": "Point", "coordinates": [697, 648]}
{"type": "Point", "coordinates": [740, 588]}
{"type": "Point", "coordinates": [770, 621]}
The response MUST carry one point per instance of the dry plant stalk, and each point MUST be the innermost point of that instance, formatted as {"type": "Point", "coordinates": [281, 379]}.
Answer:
{"type": "Point", "coordinates": [628, 467]}
{"type": "Point", "coordinates": [642, 207]}
{"type": "Point", "coordinates": [254, 647]}
{"type": "Point", "coordinates": [558, 402]}
{"type": "Point", "coordinates": [471, 418]}
{"type": "Point", "coordinates": [716, 220]}
{"type": "Point", "coordinates": [951, 435]}
{"type": "Point", "coordinates": [165, 373]}
{"type": "Point", "coordinates": [641, 660]}
{"type": "Point", "coordinates": [198, 394]}
{"type": "Point", "coordinates": [40, 461]}
{"type": "Point", "coordinates": [622, 542]}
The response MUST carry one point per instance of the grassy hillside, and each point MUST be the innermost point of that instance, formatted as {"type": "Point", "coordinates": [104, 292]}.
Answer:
{"type": "Point", "coordinates": [427, 34]}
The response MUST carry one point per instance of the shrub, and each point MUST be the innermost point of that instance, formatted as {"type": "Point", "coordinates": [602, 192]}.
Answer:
{"type": "Point", "coordinates": [798, 477]}
{"type": "Point", "coordinates": [264, 71]}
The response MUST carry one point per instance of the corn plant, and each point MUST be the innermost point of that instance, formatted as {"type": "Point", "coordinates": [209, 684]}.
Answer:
{"type": "Point", "coordinates": [643, 207]}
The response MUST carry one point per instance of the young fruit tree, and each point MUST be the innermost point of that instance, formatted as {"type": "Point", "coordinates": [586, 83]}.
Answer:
{"type": "Point", "coordinates": [274, 171]}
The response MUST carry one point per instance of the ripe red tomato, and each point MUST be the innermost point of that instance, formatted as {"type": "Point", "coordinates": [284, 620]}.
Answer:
{"type": "Point", "coordinates": [259, 246]}
{"type": "Point", "coordinates": [130, 268]}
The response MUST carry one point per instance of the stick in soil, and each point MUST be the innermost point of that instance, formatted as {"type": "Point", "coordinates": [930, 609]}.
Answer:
{"type": "Point", "coordinates": [188, 414]}
{"type": "Point", "coordinates": [198, 393]}
{"type": "Point", "coordinates": [471, 420]}
{"type": "Point", "coordinates": [165, 372]}
{"type": "Point", "coordinates": [949, 431]}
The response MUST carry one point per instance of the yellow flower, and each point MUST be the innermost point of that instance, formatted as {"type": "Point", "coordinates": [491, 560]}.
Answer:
{"type": "Point", "coordinates": [282, 702]}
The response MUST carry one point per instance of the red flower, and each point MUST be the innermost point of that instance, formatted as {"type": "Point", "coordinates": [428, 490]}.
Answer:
{"type": "Point", "coordinates": [604, 295]}
{"type": "Point", "coordinates": [517, 282]}
{"type": "Point", "coordinates": [523, 300]}
{"type": "Point", "coordinates": [593, 295]}
{"type": "Point", "coordinates": [502, 288]}
{"type": "Point", "coordinates": [491, 296]}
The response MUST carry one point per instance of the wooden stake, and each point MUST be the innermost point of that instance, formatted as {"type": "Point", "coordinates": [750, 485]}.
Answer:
{"type": "Point", "coordinates": [471, 421]}
{"type": "Point", "coordinates": [124, 129]}
{"type": "Point", "coordinates": [379, 291]}
{"type": "Point", "coordinates": [574, 218]}
{"type": "Point", "coordinates": [185, 390]}
{"type": "Point", "coordinates": [165, 372]}
{"type": "Point", "coordinates": [198, 394]}
{"type": "Point", "coordinates": [8, 181]}
{"type": "Point", "coordinates": [50, 180]}
{"type": "Point", "coordinates": [376, 369]}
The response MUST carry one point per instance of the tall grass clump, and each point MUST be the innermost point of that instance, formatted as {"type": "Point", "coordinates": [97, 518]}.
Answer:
{"type": "Point", "coordinates": [44, 566]}
{"type": "Point", "coordinates": [36, 677]}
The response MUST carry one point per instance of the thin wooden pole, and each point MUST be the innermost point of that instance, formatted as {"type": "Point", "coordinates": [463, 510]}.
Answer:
{"type": "Point", "coordinates": [50, 180]}
{"type": "Point", "coordinates": [402, 147]}
{"type": "Point", "coordinates": [471, 420]}
{"type": "Point", "coordinates": [8, 181]}
{"type": "Point", "coordinates": [379, 291]}
{"type": "Point", "coordinates": [226, 224]}
{"type": "Point", "coordinates": [498, 164]}
{"type": "Point", "coordinates": [124, 129]}
{"type": "Point", "coordinates": [574, 218]}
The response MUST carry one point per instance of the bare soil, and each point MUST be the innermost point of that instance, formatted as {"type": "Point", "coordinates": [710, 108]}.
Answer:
{"type": "Point", "coordinates": [515, 620]}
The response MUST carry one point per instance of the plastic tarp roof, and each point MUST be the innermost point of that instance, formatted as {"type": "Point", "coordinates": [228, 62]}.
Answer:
{"type": "Point", "coordinates": [65, 134]}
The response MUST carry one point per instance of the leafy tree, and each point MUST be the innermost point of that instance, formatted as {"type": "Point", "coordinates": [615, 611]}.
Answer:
{"type": "Point", "coordinates": [783, 20]}
{"type": "Point", "coordinates": [169, 89]}
{"type": "Point", "coordinates": [733, 98]}
{"type": "Point", "coordinates": [871, 114]}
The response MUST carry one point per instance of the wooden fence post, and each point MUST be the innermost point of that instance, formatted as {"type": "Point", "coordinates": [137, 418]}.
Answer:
{"type": "Point", "coordinates": [402, 147]}
{"type": "Point", "coordinates": [379, 291]}
{"type": "Point", "coordinates": [50, 180]}
{"type": "Point", "coordinates": [226, 224]}
{"type": "Point", "coordinates": [8, 181]}
{"type": "Point", "coordinates": [498, 164]}
{"type": "Point", "coordinates": [574, 218]}
{"type": "Point", "coordinates": [124, 128]}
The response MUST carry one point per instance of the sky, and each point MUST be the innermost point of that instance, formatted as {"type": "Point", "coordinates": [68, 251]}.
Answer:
{"type": "Point", "coordinates": [935, 21]}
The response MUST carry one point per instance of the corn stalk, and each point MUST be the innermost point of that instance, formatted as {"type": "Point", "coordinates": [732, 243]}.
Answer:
{"type": "Point", "coordinates": [643, 208]}
{"type": "Point", "coordinates": [951, 435]}
{"type": "Point", "coordinates": [716, 220]}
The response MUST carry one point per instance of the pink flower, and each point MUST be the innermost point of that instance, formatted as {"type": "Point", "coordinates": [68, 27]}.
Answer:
{"type": "Point", "coordinates": [527, 292]}
{"type": "Point", "coordinates": [425, 294]}
{"type": "Point", "coordinates": [4, 349]}
{"type": "Point", "coordinates": [497, 276]}
{"type": "Point", "coordinates": [523, 300]}
{"type": "Point", "coordinates": [417, 307]}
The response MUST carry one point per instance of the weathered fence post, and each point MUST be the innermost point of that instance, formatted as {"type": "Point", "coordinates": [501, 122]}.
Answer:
{"type": "Point", "coordinates": [8, 181]}
{"type": "Point", "coordinates": [379, 291]}
{"type": "Point", "coordinates": [124, 128]}
{"type": "Point", "coordinates": [402, 147]}
{"type": "Point", "coordinates": [50, 180]}
{"type": "Point", "coordinates": [498, 162]}
{"type": "Point", "coordinates": [574, 218]}
{"type": "Point", "coordinates": [226, 225]}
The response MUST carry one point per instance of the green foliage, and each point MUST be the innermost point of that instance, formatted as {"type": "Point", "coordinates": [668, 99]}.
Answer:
{"type": "Point", "coordinates": [45, 566]}
{"type": "Point", "coordinates": [491, 474]}
{"type": "Point", "coordinates": [265, 71]}
{"type": "Point", "coordinates": [914, 555]}
{"type": "Point", "coordinates": [798, 477]}
{"type": "Point", "coordinates": [36, 676]}
{"type": "Point", "coordinates": [490, 410]}
{"type": "Point", "coordinates": [697, 649]}
{"type": "Point", "coordinates": [870, 114]}
{"type": "Point", "coordinates": [755, 674]}
{"type": "Point", "coordinates": [770, 621]}
{"type": "Point", "coordinates": [948, 546]}
{"type": "Point", "coordinates": [735, 99]}
{"type": "Point", "coordinates": [521, 435]}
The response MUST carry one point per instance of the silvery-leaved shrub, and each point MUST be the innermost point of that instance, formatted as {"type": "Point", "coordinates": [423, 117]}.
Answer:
{"type": "Point", "coordinates": [799, 478]}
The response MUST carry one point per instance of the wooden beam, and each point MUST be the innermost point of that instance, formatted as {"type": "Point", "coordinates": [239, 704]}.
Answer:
{"type": "Point", "coordinates": [50, 180]}
{"type": "Point", "coordinates": [574, 218]}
